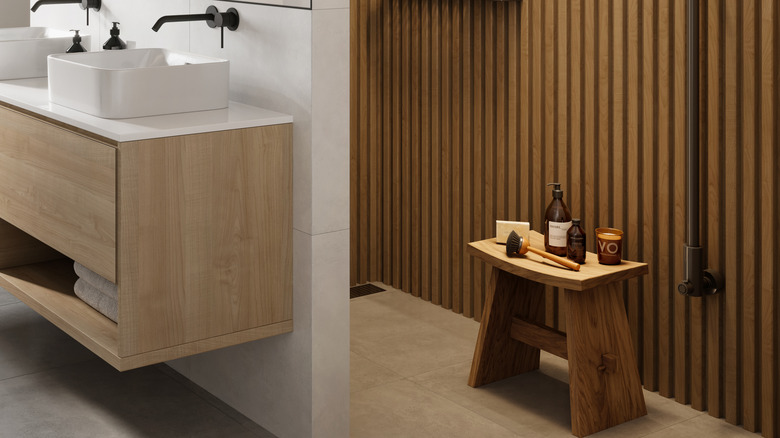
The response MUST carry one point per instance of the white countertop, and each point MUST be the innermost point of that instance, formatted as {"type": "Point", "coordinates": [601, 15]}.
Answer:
{"type": "Point", "coordinates": [33, 95]}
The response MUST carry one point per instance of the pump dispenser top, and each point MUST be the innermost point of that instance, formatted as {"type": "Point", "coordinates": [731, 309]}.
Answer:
{"type": "Point", "coordinates": [114, 43]}
{"type": "Point", "coordinates": [557, 221]}
{"type": "Point", "coordinates": [557, 192]}
{"type": "Point", "coordinates": [76, 47]}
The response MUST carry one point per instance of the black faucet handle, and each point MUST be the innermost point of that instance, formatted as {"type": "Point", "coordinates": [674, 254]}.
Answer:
{"type": "Point", "coordinates": [227, 19]}
{"type": "Point", "coordinates": [91, 4]}
{"type": "Point", "coordinates": [230, 19]}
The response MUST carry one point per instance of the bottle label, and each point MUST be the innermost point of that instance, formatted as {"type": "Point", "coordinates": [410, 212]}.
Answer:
{"type": "Point", "coordinates": [557, 233]}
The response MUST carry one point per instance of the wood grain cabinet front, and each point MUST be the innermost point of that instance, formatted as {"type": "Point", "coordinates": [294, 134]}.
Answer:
{"type": "Point", "coordinates": [195, 230]}
{"type": "Point", "coordinates": [59, 187]}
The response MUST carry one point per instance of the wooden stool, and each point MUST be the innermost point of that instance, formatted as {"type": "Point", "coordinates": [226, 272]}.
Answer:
{"type": "Point", "coordinates": [605, 389]}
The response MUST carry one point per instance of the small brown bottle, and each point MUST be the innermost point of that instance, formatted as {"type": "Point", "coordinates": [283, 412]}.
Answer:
{"type": "Point", "coordinates": [557, 221]}
{"type": "Point", "coordinates": [575, 242]}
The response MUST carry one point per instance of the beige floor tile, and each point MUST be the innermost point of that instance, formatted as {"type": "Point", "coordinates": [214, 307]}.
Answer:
{"type": "Point", "coordinates": [529, 403]}
{"type": "Point", "coordinates": [404, 409]}
{"type": "Point", "coordinates": [703, 425]}
{"type": "Point", "coordinates": [409, 336]}
{"type": "Point", "coordinates": [540, 401]}
{"type": "Point", "coordinates": [365, 374]}
{"type": "Point", "coordinates": [394, 303]}
{"type": "Point", "coordinates": [662, 412]}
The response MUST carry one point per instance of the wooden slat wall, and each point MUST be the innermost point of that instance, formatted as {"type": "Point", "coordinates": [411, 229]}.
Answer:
{"type": "Point", "coordinates": [462, 111]}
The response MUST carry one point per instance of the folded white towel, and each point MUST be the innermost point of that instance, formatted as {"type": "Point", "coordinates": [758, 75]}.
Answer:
{"type": "Point", "coordinates": [96, 280]}
{"type": "Point", "coordinates": [100, 301]}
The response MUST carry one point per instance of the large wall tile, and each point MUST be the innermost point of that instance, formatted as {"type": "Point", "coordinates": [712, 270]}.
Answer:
{"type": "Point", "coordinates": [330, 120]}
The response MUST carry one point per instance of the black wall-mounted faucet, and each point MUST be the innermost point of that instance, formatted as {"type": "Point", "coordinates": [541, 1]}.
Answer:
{"type": "Point", "coordinates": [212, 17]}
{"type": "Point", "coordinates": [85, 4]}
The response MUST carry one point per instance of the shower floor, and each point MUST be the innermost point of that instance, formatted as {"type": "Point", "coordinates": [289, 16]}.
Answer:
{"type": "Point", "coordinates": [410, 361]}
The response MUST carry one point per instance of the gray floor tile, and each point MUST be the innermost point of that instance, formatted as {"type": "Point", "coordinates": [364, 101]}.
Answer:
{"type": "Point", "coordinates": [6, 297]}
{"type": "Point", "coordinates": [29, 343]}
{"type": "Point", "coordinates": [52, 386]}
{"type": "Point", "coordinates": [93, 399]}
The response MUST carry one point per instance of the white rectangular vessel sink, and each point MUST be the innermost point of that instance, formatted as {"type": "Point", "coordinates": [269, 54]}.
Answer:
{"type": "Point", "coordinates": [23, 50]}
{"type": "Point", "coordinates": [120, 84]}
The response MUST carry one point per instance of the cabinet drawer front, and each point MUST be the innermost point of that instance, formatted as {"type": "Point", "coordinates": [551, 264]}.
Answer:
{"type": "Point", "coordinates": [60, 188]}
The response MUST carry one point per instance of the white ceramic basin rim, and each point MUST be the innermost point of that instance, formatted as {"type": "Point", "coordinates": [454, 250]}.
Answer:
{"type": "Point", "coordinates": [122, 84]}
{"type": "Point", "coordinates": [137, 59]}
{"type": "Point", "coordinates": [23, 50]}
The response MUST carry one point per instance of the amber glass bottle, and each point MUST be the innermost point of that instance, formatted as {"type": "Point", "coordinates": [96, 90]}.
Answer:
{"type": "Point", "coordinates": [575, 242]}
{"type": "Point", "coordinates": [557, 221]}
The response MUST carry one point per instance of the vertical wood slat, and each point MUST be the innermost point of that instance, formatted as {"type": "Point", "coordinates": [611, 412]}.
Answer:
{"type": "Point", "coordinates": [747, 134]}
{"type": "Point", "coordinates": [769, 51]}
{"type": "Point", "coordinates": [648, 147]}
{"type": "Point", "coordinates": [425, 149]}
{"type": "Point", "coordinates": [631, 246]}
{"type": "Point", "coordinates": [374, 127]}
{"type": "Point", "coordinates": [415, 236]}
{"type": "Point", "coordinates": [714, 170]}
{"type": "Point", "coordinates": [445, 294]}
{"type": "Point", "coordinates": [386, 153]}
{"type": "Point", "coordinates": [457, 164]}
{"type": "Point", "coordinates": [488, 133]}
{"type": "Point", "coordinates": [398, 206]}
{"type": "Point", "coordinates": [467, 108]}
{"type": "Point", "coordinates": [619, 134]}
{"type": "Point", "coordinates": [591, 93]}
{"type": "Point", "coordinates": [406, 159]}
{"type": "Point", "coordinates": [688, 324]}
{"type": "Point", "coordinates": [665, 320]}
{"type": "Point", "coordinates": [477, 151]}
{"type": "Point", "coordinates": [435, 152]}
{"type": "Point", "coordinates": [732, 291]}
{"type": "Point", "coordinates": [602, 154]}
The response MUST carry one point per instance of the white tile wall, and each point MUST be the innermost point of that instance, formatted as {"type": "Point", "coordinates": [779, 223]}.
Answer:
{"type": "Point", "coordinates": [15, 14]}
{"type": "Point", "coordinates": [331, 375]}
{"type": "Point", "coordinates": [330, 121]}
{"type": "Point", "coordinates": [296, 62]}
{"type": "Point", "coordinates": [330, 4]}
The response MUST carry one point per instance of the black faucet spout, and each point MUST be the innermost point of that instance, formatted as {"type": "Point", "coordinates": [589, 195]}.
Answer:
{"type": "Point", "coordinates": [39, 3]}
{"type": "Point", "coordinates": [212, 17]}
{"type": "Point", "coordinates": [85, 4]}
{"type": "Point", "coordinates": [179, 18]}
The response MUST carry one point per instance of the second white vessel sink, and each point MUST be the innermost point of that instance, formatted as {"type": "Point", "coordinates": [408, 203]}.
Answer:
{"type": "Point", "coordinates": [23, 50]}
{"type": "Point", "coordinates": [120, 84]}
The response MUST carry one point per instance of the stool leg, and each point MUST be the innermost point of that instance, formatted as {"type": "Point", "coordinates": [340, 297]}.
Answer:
{"type": "Point", "coordinates": [604, 380]}
{"type": "Point", "coordinates": [497, 356]}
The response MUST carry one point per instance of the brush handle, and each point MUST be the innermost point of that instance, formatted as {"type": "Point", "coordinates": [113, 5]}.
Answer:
{"type": "Point", "coordinates": [557, 259]}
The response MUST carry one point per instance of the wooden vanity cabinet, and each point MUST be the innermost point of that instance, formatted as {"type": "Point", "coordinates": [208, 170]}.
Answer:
{"type": "Point", "coordinates": [195, 230]}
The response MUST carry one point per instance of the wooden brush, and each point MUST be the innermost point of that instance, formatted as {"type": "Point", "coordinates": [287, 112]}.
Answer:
{"type": "Point", "coordinates": [516, 246]}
